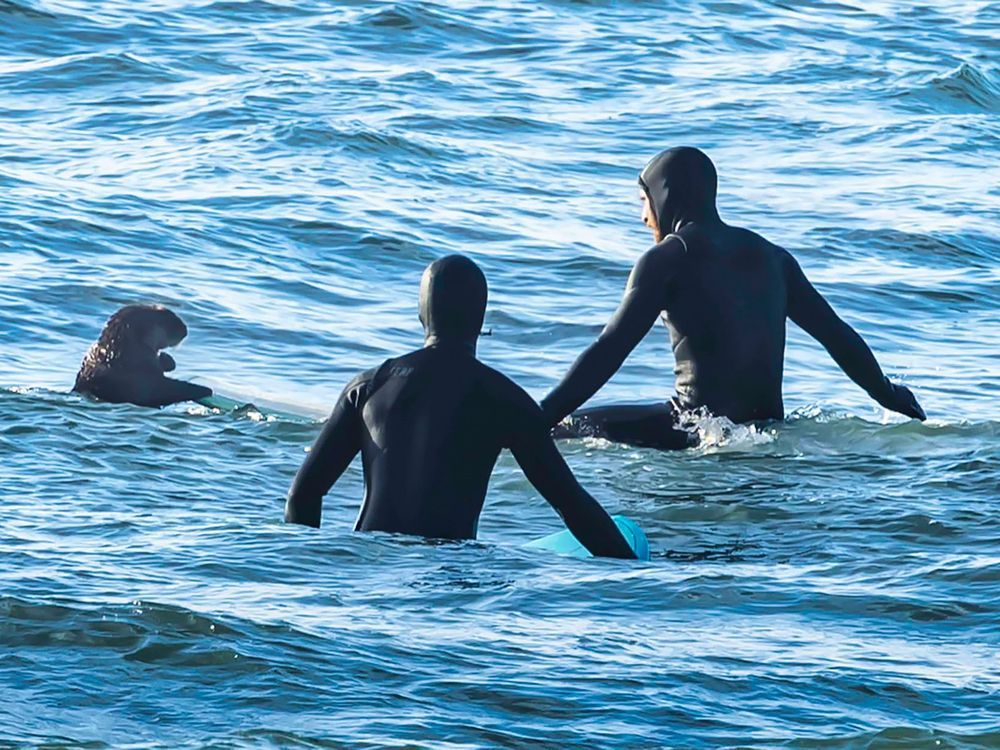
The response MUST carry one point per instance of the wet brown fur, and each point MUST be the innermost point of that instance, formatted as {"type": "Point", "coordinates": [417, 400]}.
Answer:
{"type": "Point", "coordinates": [125, 364]}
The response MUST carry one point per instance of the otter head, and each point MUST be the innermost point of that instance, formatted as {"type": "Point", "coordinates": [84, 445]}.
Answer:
{"type": "Point", "coordinates": [144, 326]}
{"type": "Point", "coordinates": [133, 336]}
{"type": "Point", "coordinates": [126, 365]}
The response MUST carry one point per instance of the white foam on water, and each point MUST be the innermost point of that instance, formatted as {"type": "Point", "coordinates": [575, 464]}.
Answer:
{"type": "Point", "coordinates": [721, 433]}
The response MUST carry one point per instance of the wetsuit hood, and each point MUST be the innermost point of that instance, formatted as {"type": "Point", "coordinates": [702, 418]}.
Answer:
{"type": "Point", "coordinates": [452, 301]}
{"type": "Point", "coordinates": [681, 185]}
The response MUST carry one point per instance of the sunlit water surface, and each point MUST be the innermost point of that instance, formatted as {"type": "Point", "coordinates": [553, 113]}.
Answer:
{"type": "Point", "coordinates": [280, 172]}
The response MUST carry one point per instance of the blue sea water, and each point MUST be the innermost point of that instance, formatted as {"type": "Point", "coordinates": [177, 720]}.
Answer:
{"type": "Point", "coordinates": [280, 172]}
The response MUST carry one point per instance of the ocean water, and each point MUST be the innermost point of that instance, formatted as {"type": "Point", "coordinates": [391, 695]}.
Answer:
{"type": "Point", "coordinates": [280, 172]}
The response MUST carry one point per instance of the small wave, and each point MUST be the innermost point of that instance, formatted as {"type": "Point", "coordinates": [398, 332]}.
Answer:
{"type": "Point", "coordinates": [75, 72]}
{"type": "Point", "coordinates": [359, 138]}
{"type": "Point", "coordinates": [254, 10]}
{"type": "Point", "coordinates": [501, 126]}
{"type": "Point", "coordinates": [969, 84]}
{"type": "Point", "coordinates": [279, 738]}
{"type": "Point", "coordinates": [901, 738]}
{"type": "Point", "coordinates": [937, 250]}
{"type": "Point", "coordinates": [118, 626]}
{"type": "Point", "coordinates": [965, 88]}
{"type": "Point", "coordinates": [409, 25]}
{"type": "Point", "coordinates": [10, 7]}
{"type": "Point", "coordinates": [399, 17]}
{"type": "Point", "coordinates": [813, 430]}
{"type": "Point", "coordinates": [413, 17]}
{"type": "Point", "coordinates": [145, 632]}
{"type": "Point", "coordinates": [518, 51]}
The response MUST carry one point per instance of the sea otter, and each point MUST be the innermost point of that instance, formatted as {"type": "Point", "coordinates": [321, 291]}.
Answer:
{"type": "Point", "coordinates": [126, 364]}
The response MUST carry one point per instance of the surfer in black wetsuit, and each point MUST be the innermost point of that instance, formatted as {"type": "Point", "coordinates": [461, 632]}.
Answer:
{"type": "Point", "coordinates": [430, 425]}
{"type": "Point", "coordinates": [724, 294]}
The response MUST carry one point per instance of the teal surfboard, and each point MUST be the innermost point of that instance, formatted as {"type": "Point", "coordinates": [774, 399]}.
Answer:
{"type": "Point", "coordinates": [228, 405]}
{"type": "Point", "coordinates": [564, 543]}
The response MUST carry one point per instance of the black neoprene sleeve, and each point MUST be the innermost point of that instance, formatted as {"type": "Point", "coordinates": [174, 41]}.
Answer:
{"type": "Point", "coordinates": [331, 454]}
{"type": "Point", "coordinates": [813, 314]}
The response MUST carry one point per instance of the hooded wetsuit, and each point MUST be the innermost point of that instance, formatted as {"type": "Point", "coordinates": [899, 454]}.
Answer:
{"type": "Point", "coordinates": [724, 294]}
{"type": "Point", "coordinates": [430, 425]}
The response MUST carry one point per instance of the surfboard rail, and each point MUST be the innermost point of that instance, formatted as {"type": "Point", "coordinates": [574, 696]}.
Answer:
{"type": "Point", "coordinates": [564, 543]}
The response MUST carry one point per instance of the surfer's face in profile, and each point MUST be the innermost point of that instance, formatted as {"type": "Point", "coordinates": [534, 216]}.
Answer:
{"type": "Point", "coordinates": [649, 217]}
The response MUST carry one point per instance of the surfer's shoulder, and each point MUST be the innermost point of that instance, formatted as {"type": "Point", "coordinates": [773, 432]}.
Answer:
{"type": "Point", "coordinates": [664, 256]}
{"type": "Point", "coordinates": [360, 386]}
{"type": "Point", "coordinates": [659, 264]}
{"type": "Point", "coordinates": [504, 391]}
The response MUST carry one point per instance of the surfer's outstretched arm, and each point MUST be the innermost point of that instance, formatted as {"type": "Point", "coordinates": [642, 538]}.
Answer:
{"type": "Point", "coordinates": [810, 311]}
{"type": "Point", "coordinates": [546, 469]}
{"type": "Point", "coordinates": [641, 304]}
{"type": "Point", "coordinates": [331, 454]}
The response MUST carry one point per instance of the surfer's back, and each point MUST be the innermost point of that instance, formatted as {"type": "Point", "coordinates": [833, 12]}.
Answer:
{"type": "Point", "coordinates": [434, 422]}
{"type": "Point", "coordinates": [725, 311]}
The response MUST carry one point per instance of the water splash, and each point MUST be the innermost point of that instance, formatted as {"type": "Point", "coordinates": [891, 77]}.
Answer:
{"type": "Point", "coordinates": [717, 434]}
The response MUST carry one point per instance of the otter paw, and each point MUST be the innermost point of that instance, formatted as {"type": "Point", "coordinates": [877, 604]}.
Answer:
{"type": "Point", "coordinates": [167, 363]}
